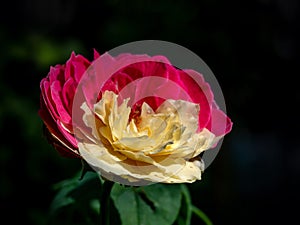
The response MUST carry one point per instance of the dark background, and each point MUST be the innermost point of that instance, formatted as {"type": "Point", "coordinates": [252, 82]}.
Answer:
{"type": "Point", "coordinates": [252, 48]}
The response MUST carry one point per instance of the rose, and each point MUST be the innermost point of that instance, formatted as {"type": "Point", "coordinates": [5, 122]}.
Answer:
{"type": "Point", "coordinates": [177, 93]}
{"type": "Point", "coordinates": [151, 117]}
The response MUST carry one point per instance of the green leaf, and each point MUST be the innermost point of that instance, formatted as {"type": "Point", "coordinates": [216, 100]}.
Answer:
{"type": "Point", "coordinates": [156, 204]}
{"type": "Point", "coordinates": [77, 200]}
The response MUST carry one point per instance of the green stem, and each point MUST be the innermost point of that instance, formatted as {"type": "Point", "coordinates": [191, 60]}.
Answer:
{"type": "Point", "coordinates": [201, 215]}
{"type": "Point", "coordinates": [105, 202]}
{"type": "Point", "coordinates": [188, 202]}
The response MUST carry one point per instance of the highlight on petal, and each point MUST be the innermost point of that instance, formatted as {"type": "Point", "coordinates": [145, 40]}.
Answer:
{"type": "Point", "coordinates": [160, 145]}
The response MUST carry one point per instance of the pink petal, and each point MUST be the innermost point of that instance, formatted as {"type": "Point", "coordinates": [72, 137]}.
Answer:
{"type": "Point", "coordinates": [68, 93]}
{"type": "Point", "coordinates": [96, 54]}
{"type": "Point", "coordinates": [220, 124]}
{"type": "Point", "coordinates": [46, 95]}
{"type": "Point", "coordinates": [108, 73]}
{"type": "Point", "coordinates": [56, 91]}
{"type": "Point", "coordinates": [199, 93]}
{"type": "Point", "coordinates": [76, 67]}
{"type": "Point", "coordinates": [117, 82]}
{"type": "Point", "coordinates": [53, 130]}
{"type": "Point", "coordinates": [96, 77]}
{"type": "Point", "coordinates": [70, 137]}
{"type": "Point", "coordinates": [45, 115]}
{"type": "Point", "coordinates": [56, 73]}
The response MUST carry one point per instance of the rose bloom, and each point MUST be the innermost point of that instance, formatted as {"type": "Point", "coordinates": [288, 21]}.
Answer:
{"type": "Point", "coordinates": [147, 122]}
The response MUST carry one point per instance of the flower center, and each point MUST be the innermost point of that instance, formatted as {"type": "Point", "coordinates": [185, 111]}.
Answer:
{"type": "Point", "coordinates": [169, 131]}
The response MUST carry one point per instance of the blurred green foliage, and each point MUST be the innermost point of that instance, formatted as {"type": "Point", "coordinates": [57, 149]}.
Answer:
{"type": "Point", "coordinates": [29, 165]}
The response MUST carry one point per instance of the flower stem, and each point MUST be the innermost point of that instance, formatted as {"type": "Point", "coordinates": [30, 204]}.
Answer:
{"type": "Point", "coordinates": [201, 215]}
{"type": "Point", "coordinates": [105, 202]}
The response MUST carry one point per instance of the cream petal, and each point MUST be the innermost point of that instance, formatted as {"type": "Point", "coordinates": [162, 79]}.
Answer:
{"type": "Point", "coordinates": [156, 147]}
{"type": "Point", "coordinates": [89, 120]}
{"type": "Point", "coordinates": [202, 141]}
{"type": "Point", "coordinates": [103, 108]}
{"type": "Point", "coordinates": [188, 174]}
{"type": "Point", "coordinates": [187, 113]}
{"type": "Point", "coordinates": [118, 119]}
{"type": "Point", "coordinates": [97, 153]}
{"type": "Point", "coordinates": [138, 156]}
{"type": "Point", "coordinates": [104, 163]}
{"type": "Point", "coordinates": [166, 171]}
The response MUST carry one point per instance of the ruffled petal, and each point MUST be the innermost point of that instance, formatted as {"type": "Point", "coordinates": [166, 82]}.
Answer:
{"type": "Point", "coordinates": [76, 66]}
{"type": "Point", "coordinates": [163, 141]}
{"type": "Point", "coordinates": [56, 94]}
{"type": "Point", "coordinates": [220, 124]}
